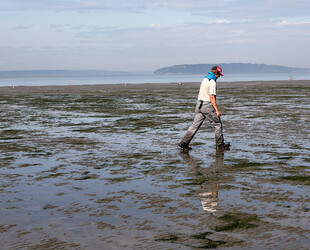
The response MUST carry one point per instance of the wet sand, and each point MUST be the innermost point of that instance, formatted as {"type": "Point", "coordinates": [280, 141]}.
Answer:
{"type": "Point", "coordinates": [98, 167]}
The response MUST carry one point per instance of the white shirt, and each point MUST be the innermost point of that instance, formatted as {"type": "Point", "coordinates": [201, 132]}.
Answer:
{"type": "Point", "coordinates": [207, 88]}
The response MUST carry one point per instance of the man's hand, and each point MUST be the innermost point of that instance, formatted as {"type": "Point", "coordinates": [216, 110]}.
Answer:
{"type": "Point", "coordinates": [213, 102]}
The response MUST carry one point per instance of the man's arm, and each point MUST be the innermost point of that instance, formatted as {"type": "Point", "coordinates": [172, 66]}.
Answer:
{"type": "Point", "coordinates": [213, 102]}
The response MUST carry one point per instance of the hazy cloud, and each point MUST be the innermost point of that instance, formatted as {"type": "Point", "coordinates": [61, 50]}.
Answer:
{"type": "Point", "coordinates": [23, 27]}
{"type": "Point", "coordinates": [58, 27]}
{"type": "Point", "coordinates": [286, 23]}
{"type": "Point", "coordinates": [234, 9]}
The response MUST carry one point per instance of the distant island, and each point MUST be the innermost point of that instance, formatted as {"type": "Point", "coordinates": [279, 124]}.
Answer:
{"type": "Point", "coordinates": [190, 69]}
{"type": "Point", "coordinates": [230, 68]}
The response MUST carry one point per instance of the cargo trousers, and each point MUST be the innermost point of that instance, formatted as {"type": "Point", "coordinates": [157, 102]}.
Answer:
{"type": "Point", "coordinates": [205, 110]}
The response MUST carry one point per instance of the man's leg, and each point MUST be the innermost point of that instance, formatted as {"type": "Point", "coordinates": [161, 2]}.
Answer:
{"type": "Point", "coordinates": [219, 137]}
{"type": "Point", "coordinates": [192, 130]}
{"type": "Point", "coordinates": [216, 122]}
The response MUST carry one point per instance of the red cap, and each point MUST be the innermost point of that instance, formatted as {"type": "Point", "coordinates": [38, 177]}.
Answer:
{"type": "Point", "coordinates": [218, 69]}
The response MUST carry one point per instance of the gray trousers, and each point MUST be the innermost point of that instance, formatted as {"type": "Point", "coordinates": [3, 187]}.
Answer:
{"type": "Point", "coordinates": [202, 112]}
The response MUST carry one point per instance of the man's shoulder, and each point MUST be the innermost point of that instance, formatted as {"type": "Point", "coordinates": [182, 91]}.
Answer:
{"type": "Point", "coordinates": [212, 82]}
{"type": "Point", "coordinates": [206, 80]}
{"type": "Point", "coordinates": [209, 81]}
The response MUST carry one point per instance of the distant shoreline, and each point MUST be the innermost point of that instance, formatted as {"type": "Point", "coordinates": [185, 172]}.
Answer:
{"type": "Point", "coordinates": [65, 73]}
{"type": "Point", "coordinates": [188, 69]}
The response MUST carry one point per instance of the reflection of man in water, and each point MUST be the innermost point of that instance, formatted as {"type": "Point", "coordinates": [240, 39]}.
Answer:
{"type": "Point", "coordinates": [209, 180]}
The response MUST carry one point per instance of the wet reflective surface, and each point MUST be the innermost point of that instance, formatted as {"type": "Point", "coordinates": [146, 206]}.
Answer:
{"type": "Point", "coordinates": [98, 166]}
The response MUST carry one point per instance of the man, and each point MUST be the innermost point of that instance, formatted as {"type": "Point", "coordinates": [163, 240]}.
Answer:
{"type": "Point", "coordinates": [206, 107]}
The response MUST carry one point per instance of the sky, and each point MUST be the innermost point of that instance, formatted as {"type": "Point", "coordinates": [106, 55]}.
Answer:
{"type": "Point", "coordinates": [144, 35]}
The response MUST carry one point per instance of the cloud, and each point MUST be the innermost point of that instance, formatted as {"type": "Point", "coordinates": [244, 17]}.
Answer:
{"type": "Point", "coordinates": [199, 42]}
{"type": "Point", "coordinates": [225, 9]}
{"type": "Point", "coordinates": [220, 21]}
{"type": "Point", "coordinates": [156, 25]}
{"type": "Point", "coordinates": [23, 27]}
{"type": "Point", "coordinates": [58, 27]}
{"type": "Point", "coordinates": [68, 5]}
{"type": "Point", "coordinates": [105, 28]}
{"type": "Point", "coordinates": [174, 38]}
{"type": "Point", "coordinates": [287, 23]}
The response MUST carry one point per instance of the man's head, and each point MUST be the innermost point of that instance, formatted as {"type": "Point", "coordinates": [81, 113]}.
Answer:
{"type": "Point", "coordinates": [217, 71]}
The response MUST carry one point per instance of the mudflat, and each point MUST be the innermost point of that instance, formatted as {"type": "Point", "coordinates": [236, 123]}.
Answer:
{"type": "Point", "coordinates": [98, 167]}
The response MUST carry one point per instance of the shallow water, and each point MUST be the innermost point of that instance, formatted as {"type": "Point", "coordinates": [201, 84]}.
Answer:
{"type": "Point", "coordinates": [144, 77]}
{"type": "Point", "coordinates": [100, 168]}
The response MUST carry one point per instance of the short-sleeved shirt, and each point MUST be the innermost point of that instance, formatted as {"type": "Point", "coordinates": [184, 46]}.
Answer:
{"type": "Point", "coordinates": [207, 88]}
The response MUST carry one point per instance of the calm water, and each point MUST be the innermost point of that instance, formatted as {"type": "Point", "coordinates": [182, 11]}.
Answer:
{"type": "Point", "coordinates": [147, 78]}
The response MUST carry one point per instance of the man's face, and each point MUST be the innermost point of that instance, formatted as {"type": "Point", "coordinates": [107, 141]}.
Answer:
{"type": "Point", "coordinates": [217, 75]}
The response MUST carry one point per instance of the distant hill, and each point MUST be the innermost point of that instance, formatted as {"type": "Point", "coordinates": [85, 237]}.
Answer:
{"type": "Point", "coordinates": [60, 73]}
{"type": "Point", "coordinates": [230, 68]}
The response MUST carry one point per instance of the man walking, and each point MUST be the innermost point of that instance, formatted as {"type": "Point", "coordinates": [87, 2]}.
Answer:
{"type": "Point", "coordinates": [206, 107]}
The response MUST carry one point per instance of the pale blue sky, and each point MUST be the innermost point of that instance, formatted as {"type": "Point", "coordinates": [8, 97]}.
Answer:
{"type": "Point", "coordinates": [144, 35]}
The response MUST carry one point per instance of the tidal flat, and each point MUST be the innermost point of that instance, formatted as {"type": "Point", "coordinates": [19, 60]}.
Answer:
{"type": "Point", "coordinates": [98, 167]}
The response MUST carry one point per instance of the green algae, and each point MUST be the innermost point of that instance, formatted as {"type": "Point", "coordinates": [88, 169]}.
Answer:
{"type": "Point", "coordinates": [54, 175]}
{"type": "Point", "coordinates": [238, 221]}
{"type": "Point", "coordinates": [201, 235]}
{"type": "Point", "coordinates": [172, 237]}
{"type": "Point", "coordinates": [244, 164]}
{"type": "Point", "coordinates": [201, 241]}
{"type": "Point", "coordinates": [296, 178]}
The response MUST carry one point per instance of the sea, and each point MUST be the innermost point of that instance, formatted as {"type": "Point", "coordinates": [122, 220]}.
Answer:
{"type": "Point", "coordinates": [144, 78]}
